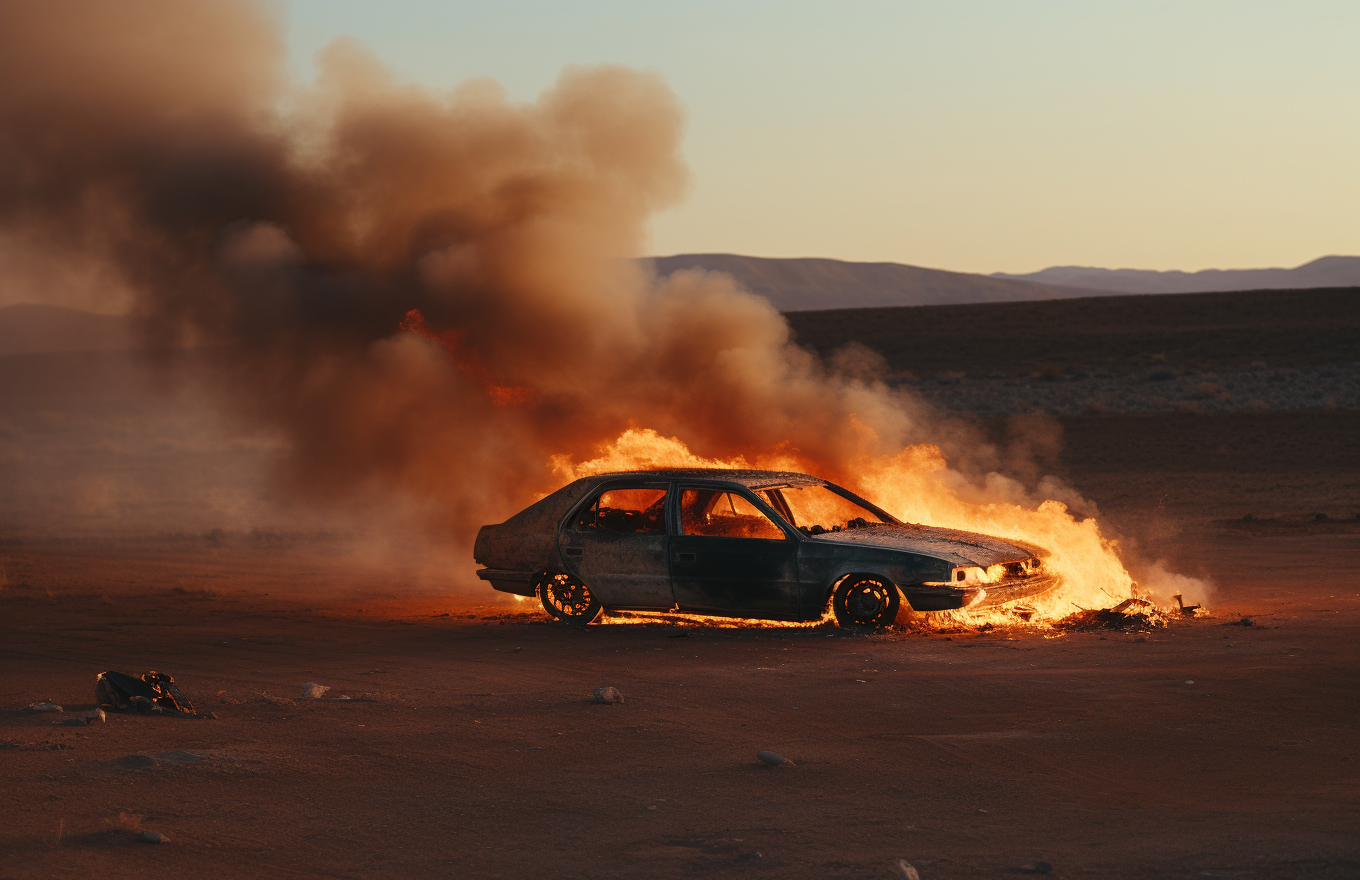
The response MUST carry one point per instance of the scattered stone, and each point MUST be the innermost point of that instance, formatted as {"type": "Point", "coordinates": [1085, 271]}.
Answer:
{"type": "Point", "coordinates": [904, 868]}
{"type": "Point", "coordinates": [772, 759]}
{"type": "Point", "coordinates": [44, 706]}
{"type": "Point", "coordinates": [1036, 868]}
{"type": "Point", "coordinates": [313, 691]}
{"type": "Point", "coordinates": [152, 837]}
{"type": "Point", "coordinates": [607, 695]}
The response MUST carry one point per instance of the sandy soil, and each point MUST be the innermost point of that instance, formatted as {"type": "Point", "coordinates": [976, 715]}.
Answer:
{"type": "Point", "coordinates": [472, 748]}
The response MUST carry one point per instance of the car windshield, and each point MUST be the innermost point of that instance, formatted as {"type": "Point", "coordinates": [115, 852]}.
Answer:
{"type": "Point", "coordinates": [816, 510]}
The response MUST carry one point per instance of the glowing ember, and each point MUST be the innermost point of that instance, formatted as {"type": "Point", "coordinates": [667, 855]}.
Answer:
{"type": "Point", "coordinates": [466, 360]}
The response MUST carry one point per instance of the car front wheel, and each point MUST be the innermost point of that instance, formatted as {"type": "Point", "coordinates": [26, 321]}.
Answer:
{"type": "Point", "coordinates": [865, 602]}
{"type": "Point", "coordinates": [569, 600]}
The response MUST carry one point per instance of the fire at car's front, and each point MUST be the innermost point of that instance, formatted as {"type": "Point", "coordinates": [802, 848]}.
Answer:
{"type": "Point", "coordinates": [984, 571]}
{"type": "Point", "coordinates": [1002, 582]}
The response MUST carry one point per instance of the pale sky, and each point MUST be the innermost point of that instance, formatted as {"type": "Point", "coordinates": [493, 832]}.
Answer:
{"type": "Point", "coordinates": [972, 136]}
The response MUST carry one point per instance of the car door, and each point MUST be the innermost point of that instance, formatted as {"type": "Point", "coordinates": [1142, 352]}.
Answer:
{"type": "Point", "coordinates": [730, 557]}
{"type": "Point", "coordinates": [617, 544]}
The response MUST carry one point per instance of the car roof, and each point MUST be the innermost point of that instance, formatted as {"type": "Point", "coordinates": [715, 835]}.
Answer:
{"type": "Point", "coordinates": [748, 478]}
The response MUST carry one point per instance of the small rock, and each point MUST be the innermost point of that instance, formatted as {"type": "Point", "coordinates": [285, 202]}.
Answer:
{"type": "Point", "coordinates": [772, 759]}
{"type": "Point", "coordinates": [607, 695]}
{"type": "Point", "coordinates": [44, 706]}
{"type": "Point", "coordinates": [153, 837]}
{"type": "Point", "coordinates": [313, 691]}
{"type": "Point", "coordinates": [99, 717]}
{"type": "Point", "coordinates": [517, 650]}
{"type": "Point", "coordinates": [905, 869]}
{"type": "Point", "coordinates": [1036, 868]}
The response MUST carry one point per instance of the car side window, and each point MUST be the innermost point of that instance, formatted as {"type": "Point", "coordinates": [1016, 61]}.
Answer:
{"type": "Point", "coordinates": [721, 514]}
{"type": "Point", "coordinates": [627, 510]}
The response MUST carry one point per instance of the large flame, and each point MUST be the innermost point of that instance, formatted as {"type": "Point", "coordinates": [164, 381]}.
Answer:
{"type": "Point", "coordinates": [432, 296]}
{"type": "Point", "coordinates": [916, 485]}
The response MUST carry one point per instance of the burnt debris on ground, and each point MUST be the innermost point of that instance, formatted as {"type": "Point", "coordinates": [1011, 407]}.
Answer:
{"type": "Point", "coordinates": [153, 693]}
{"type": "Point", "coordinates": [1131, 615]}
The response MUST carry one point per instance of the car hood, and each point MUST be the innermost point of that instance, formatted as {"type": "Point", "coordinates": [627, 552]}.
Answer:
{"type": "Point", "coordinates": [951, 545]}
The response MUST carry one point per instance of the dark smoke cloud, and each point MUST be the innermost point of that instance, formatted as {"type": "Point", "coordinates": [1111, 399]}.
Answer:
{"type": "Point", "coordinates": [431, 296]}
{"type": "Point", "coordinates": [153, 134]}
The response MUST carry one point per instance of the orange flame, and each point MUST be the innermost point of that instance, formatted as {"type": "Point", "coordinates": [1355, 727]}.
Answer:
{"type": "Point", "coordinates": [466, 360]}
{"type": "Point", "coordinates": [915, 485]}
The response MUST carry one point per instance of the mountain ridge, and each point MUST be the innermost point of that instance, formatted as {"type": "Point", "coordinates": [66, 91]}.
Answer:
{"type": "Point", "coordinates": [795, 284]}
{"type": "Point", "coordinates": [815, 283]}
{"type": "Point", "coordinates": [1328, 271]}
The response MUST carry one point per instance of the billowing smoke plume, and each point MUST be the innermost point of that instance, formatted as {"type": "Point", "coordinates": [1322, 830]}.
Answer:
{"type": "Point", "coordinates": [430, 294]}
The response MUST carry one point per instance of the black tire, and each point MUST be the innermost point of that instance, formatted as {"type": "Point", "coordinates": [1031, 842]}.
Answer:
{"type": "Point", "coordinates": [863, 602]}
{"type": "Point", "coordinates": [568, 600]}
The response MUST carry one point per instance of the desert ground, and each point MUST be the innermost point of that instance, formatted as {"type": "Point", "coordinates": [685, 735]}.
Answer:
{"type": "Point", "coordinates": [1219, 746]}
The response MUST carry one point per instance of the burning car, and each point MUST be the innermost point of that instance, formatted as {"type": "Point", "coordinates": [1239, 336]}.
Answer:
{"type": "Point", "coordinates": [742, 543]}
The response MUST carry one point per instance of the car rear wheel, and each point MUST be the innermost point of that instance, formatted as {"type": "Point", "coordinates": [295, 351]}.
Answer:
{"type": "Point", "coordinates": [865, 602]}
{"type": "Point", "coordinates": [569, 600]}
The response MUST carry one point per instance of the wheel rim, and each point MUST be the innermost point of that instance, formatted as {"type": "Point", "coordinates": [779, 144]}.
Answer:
{"type": "Point", "coordinates": [866, 601]}
{"type": "Point", "coordinates": [569, 598]}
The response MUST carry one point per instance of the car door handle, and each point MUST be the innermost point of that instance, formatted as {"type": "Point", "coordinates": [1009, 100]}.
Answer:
{"type": "Point", "coordinates": [575, 551]}
{"type": "Point", "coordinates": [686, 557]}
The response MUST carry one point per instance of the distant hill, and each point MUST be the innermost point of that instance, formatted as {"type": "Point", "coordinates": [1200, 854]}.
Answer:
{"type": "Point", "coordinates": [39, 329]}
{"type": "Point", "coordinates": [1323, 272]}
{"type": "Point", "coordinates": [805, 284]}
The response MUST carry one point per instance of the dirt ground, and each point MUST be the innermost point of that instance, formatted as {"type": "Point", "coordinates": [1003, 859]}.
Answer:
{"type": "Point", "coordinates": [470, 746]}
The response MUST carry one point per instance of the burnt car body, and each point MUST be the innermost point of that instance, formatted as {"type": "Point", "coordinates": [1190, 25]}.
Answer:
{"type": "Point", "coordinates": [752, 544]}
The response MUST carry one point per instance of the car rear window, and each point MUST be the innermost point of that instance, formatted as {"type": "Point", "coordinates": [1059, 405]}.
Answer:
{"type": "Point", "coordinates": [626, 510]}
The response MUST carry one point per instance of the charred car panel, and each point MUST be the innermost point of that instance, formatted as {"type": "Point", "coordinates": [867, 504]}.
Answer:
{"type": "Point", "coordinates": [756, 544]}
